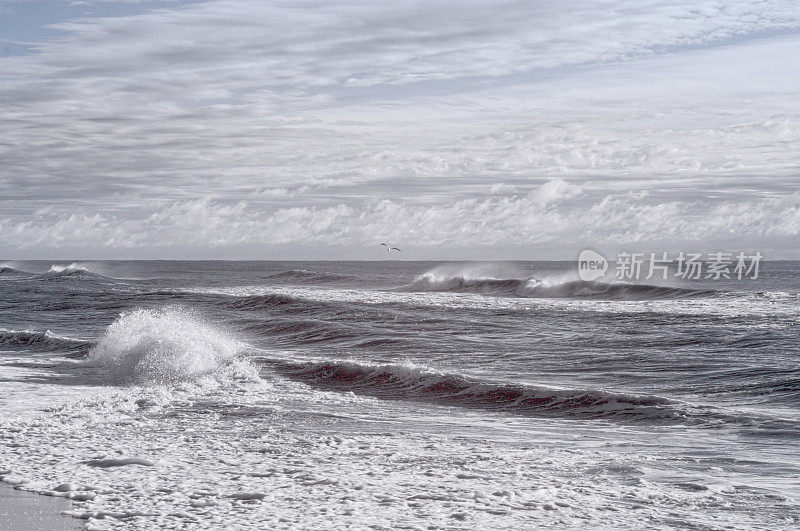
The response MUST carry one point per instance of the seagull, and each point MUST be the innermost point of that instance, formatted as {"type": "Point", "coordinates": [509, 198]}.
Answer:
{"type": "Point", "coordinates": [390, 249]}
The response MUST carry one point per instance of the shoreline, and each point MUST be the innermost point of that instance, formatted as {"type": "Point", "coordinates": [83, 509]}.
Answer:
{"type": "Point", "coordinates": [23, 510]}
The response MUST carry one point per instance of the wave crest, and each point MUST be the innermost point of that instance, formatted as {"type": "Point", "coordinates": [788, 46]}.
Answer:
{"type": "Point", "coordinates": [71, 270]}
{"type": "Point", "coordinates": [163, 346]}
{"type": "Point", "coordinates": [533, 288]}
{"type": "Point", "coordinates": [431, 281]}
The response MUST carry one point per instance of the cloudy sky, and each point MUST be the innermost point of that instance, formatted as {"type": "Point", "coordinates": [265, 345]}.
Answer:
{"type": "Point", "coordinates": [454, 130]}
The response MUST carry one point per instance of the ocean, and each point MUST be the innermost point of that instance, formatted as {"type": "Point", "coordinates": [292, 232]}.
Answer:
{"type": "Point", "coordinates": [403, 395]}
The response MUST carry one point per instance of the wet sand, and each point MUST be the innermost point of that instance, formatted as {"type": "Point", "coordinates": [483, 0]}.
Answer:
{"type": "Point", "coordinates": [26, 511]}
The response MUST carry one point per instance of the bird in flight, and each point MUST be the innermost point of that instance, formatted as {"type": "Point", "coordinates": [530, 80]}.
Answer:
{"type": "Point", "coordinates": [390, 249]}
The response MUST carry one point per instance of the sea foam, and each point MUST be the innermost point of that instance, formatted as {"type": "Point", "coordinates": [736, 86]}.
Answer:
{"type": "Point", "coordinates": [163, 346]}
{"type": "Point", "coordinates": [71, 268]}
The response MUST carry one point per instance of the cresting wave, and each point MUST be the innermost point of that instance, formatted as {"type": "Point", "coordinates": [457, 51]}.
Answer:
{"type": "Point", "coordinates": [404, 382]}
{"type": "Point", "coordinates": [163, 347]}
{"type": "Point", "coordinates": [55, 271]}
{"type": "Point", "coordinates": [41, 341]}
{"type": "Point", "coordinates": [73, 269]}
{"type": "Point", "coordinates": [531, 287]}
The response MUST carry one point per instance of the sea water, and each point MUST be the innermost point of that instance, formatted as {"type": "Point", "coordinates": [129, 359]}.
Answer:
{"type": "Point", "coordinates": [400, 394]}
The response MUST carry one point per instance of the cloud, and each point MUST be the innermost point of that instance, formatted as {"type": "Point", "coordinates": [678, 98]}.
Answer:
{"type": "Point", "coordinates": [618, 221]}
{"type": "Point", "coordinates": [553, 191]}
{"type": "Point", "coordinates": [233, 123]}
{"type": "Point", "coordinates": [502, 188]}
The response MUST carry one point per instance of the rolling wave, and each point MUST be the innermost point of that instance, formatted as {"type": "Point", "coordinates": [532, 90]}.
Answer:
{"type": "Point", "coordinates": [413, 383]}
{"type": "Point", "coordinates": [403, 382]}
{"type": "Point", "coordinates": [533, 288]}
{"type": "Point", "coordinates": [41, 341]}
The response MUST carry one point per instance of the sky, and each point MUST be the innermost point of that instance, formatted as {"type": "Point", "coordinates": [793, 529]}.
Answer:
{"type": "Point", "coordinates": [454, 130]}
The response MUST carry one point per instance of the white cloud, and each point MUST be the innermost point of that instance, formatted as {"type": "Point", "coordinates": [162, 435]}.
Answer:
{"type": "Point", "coordinates": [614, 220]}
{"type": "Point", "coordinates": [232, 123]}
{"type": "Point", "coordinates": [553, 191]}
{"type": "Point", "coordinates": [502, 189]}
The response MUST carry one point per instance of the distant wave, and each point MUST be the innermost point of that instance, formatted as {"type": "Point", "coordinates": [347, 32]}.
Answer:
{"type": "Point", "coordinates": [393, 381]}
{"type": "Point", "coordinates": [259, 302]}
{"type": "Point", "coordinates": [306, 331]}
{"type": "Point", "coordinates": [55, 271]}
{"type": "Point", "coordinates": [603, 290]}
{"type": "Point", "coordinates": [530, 287]}
{"type": "Point", "coordinates": [40, 341]}
{"type": "Point", "coordinates": [303, 322]}
{"type": "Point", "coordinates": [58, 270]}
{"type": "Point", "coordinates": [7, 270]}
{"type": "Point", "coordinates": [434, 282]}
{"type": "Point", "coordinates": [305, 276]}
{"type": "Point", "coordinates": [268, 301]}
{"type": "Point", "coordinates": [774, 295]}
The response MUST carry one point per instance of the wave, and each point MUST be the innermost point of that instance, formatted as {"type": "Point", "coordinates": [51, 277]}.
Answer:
{"type": "Point", "coordinates": [41, 341]}
{"type": "Point", "coordinates": [614, 291]}
{"type": "Point", "coordinates": [533, 288]}
{"type": "Point", "coordinates": [299, 321]}
{"type": "Point", "coordinates": [305, 332]}
{"type": "Point", "coordinates": [259, 302]}
{"type": "Point", "coordinates": [305, 276]}
{"type": "Point", "coordinates": [163, 347]}
{"type": "Point", "coordinates": [433, 282]}
{"type": "Point", "coordinates": [12, 272]}
{"type": "Point", "coordinates": [775, 295]}
{"type": "Point", "coordinates": [58, 270]}
{"type": "Point", "coordinates": [413, 383]}
{"type": "Point", "coordinates": [406, 382]}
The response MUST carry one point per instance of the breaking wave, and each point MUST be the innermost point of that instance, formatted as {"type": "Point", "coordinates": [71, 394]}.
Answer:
{"type": "Point", "coordinates": [58, 270]}
{"type": "Point", "coordinates": [531, 287]}
{"type": "Point", "coordinates": [163, 346]}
